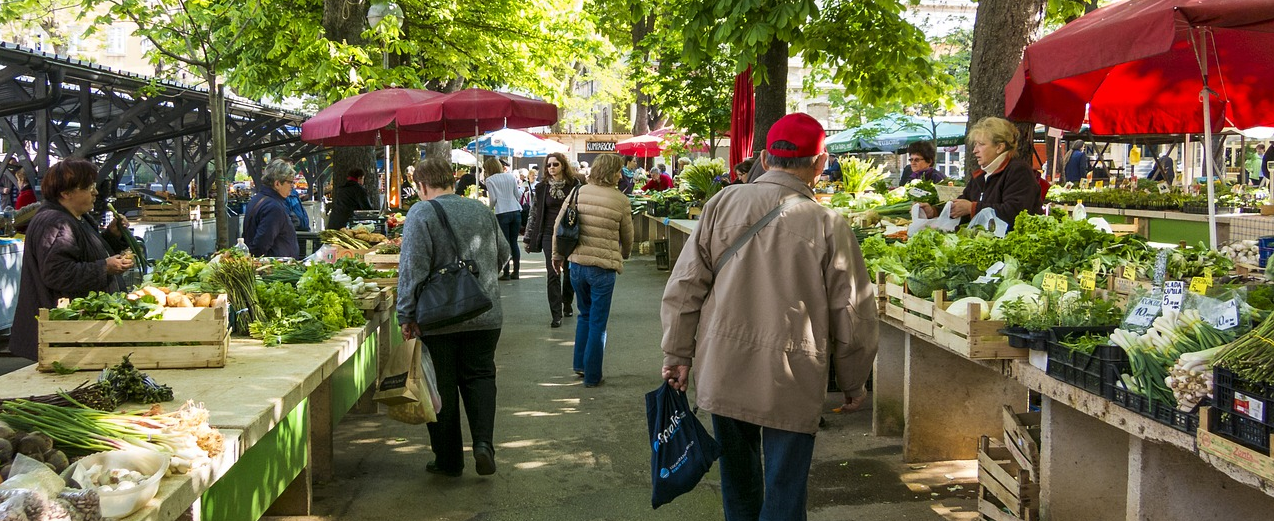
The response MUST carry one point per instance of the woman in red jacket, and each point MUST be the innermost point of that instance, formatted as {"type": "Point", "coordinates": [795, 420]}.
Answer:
{"type": "Point", "coordinates": [26, 194]}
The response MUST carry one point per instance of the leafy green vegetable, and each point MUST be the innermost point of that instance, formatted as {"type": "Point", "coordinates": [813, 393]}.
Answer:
{"type": "Point", "coordinates": [131, 385]}
{"type": "Point", "coordinates": [108, 306]}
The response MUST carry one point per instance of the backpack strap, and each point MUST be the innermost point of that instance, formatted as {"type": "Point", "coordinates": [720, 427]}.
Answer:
{"type": "Point", "coordinates": [788, 202]}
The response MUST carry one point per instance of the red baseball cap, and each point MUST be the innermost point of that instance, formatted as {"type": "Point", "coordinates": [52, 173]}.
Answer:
{"type": "Point", "coordinates": [796, 135]}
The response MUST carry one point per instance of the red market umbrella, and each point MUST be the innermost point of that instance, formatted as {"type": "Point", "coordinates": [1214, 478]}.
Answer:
{"type": "Point", "coordinates": [470, 112]}
{"type": "Point", "coordinates": [359, 120]}
{"type": "Point", "coordinates": [662, 134]}
{"type": "Point", "coordinates": [1142, 67]}
{"type": "Point", "coordinates": [644, 145]}
{"type": "Point", "coordinates": [742, 110]}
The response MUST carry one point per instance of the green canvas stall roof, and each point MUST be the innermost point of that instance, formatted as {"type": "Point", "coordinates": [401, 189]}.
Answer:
{"type": "Point", "coordinates": [894, 133]}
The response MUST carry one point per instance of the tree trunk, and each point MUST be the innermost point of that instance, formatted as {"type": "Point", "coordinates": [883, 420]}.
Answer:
{"type": "Point", "coordinates": [771, 96]}
{"type": "Point", "coordinates": [1003, 28]}
{"type": "Point", "coordinates": [641, 119]}
{"type": "Point", "coordinates": [221, 171]}
{"type": "Point", "coordinates": [342, 22]}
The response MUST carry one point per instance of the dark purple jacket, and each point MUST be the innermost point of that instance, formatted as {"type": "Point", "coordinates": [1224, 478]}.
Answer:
{"type": "Point", "coordinates": [267, 229]}
{"type": "Point", "coordinates": [62, 257]}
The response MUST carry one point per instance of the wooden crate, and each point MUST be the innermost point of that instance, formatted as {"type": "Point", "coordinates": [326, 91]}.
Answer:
{"type": "Point", "coordinates": [1249, 459]}
{"type": "Point", "coordinates": [201, 337]}
{"type": "Point", "coordinates": [381, 260]}
{"type": "Point", "coordinates": [915, 313]}
{"type": "Point", "coordinates": [1002, 483]}
{"type": "Point", "coordinates": [177, 211]}
{"type": "Point", "coordinates": [376, 301]}
{"type": "Point", "coordinates": [1022, 438]}
{"type": "Point", "coordinates": [971, 336]}
{"type": "Point", "coordinates": [391, 282]}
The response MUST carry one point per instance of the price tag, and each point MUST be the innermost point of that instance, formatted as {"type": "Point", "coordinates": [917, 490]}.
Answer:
{"type": "Point", "coordinates": [1130, 272]}
{"type": "Point", "coordinates": [1099, 184]}
{"type": "Point", "coordinates": [1144, 313]}
{"type": "Point", "coordinates": [1054, 282]}
{"type": "Point", "coordinates": [1249, 406]}
{"type": "Point", "coordinates": [1174, 293]}
{"type": "Point", "coordinates": [1083, 184]}
{"type": "Point", "coordinates": [918, 193]}
{"type": "Point", "coordinates": [1200, 285]}
{"type": "Point", "coordinates": [1228, 317]}
{"type": "Point", "coordinates": [995, 268]}
{"type": "Point", "coordinates": [1087, 280]}
{"type": "Point", "coordinates": [1164, 188]}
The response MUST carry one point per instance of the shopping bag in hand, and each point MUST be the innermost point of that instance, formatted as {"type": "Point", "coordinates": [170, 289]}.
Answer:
{"type": "Point", "coordinates": [943, 222]}
{"type": "Point", "coordinates": [682, 451]}
{"type": "Point", "coordinates": [423, 384]}
{"type": "Point", "coordinates": [395, 386]}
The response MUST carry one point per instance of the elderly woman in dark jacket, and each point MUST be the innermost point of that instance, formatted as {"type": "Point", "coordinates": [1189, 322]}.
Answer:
{"type": "Point", "coordinates": [267, 227]}
{"type": "Point", "coordinates": [463, 354]}
{"type": "Point", "coordinates": [348, 198]}
{"type": "Point", "coordinates": [558, 181]}
{"type": "Point", "coordinates": [1004, 182]}
{"type": "Point", "coordinates": [65, 254]}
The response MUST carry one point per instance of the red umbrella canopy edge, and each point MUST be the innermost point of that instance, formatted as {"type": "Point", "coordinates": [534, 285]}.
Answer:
{"type": "Point", "coordinates": [461, 113]}
{"type": "Point", "coordinates": [356, 120]}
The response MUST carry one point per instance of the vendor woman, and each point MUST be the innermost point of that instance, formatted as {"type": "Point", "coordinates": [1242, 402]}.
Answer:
{"type": "Point", "coordinates": [1003, 182]}
{"type": "Point", "coordinates": [65, 254]}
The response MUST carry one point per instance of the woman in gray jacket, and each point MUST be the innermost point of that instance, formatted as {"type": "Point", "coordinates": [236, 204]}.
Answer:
{"type": "Point", "coordinates": [606, 239]}
{"type": "Point", "coordinates": [463, 354]}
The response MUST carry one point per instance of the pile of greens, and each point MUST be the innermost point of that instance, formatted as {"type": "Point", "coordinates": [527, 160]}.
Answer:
{"type": "Point", "coordinates": [312, 311]}
{"type": "Point", "coordinates": [178, 270]}
{"type": "Point", "coordinates": [356, 268]}
{"type": "Point", "coordinates": [108, 306]}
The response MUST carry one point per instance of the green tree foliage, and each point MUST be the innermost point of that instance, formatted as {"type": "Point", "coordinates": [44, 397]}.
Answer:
{"type": "Point", "coordinates": [694, 99]}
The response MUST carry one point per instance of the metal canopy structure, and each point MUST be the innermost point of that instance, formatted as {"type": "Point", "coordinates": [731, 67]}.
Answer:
{"type": "Point", "coordinates": [54, 107]}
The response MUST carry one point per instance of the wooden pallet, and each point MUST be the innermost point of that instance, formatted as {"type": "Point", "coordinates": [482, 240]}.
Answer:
{"type": "Point", "coordinates": [1003, 485]}
{"type": "Point", "coordinates": [184, 338]}
{"type": "Point", "coordinates": [381, 260]}
{"type": "Point", "coordinates": [177, 211]}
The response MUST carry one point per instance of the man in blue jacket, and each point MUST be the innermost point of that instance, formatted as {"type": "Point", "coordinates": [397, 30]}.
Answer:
{"type": "Point", "coordinates": [267, 227]}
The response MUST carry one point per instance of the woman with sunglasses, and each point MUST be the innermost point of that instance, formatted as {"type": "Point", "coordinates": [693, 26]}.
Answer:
{"type": "Point", "coordinates": [66, 254]}
{"type": "Point", "coordinates": [550, 193]}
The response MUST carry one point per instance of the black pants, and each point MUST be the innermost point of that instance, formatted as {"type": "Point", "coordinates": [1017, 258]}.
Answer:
{"type": "Point", "coordinates": [465, 365]}
{"type": "Point", "coordinates": [510, 223]}
{"type": "Point", "coordinates": [561, 294]}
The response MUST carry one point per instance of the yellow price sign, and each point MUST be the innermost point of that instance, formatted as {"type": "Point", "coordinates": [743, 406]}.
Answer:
{"type": "Point", "coordinates": [1088, 280]}
{"type": "Point", "coordinates": [1130, 272]}
{"type": "Point", "coordinates": [1055, 282]}
{"type": "Point", "coordinates": [1200, 285]}
{"type": "Point", "coordinates": [1099, 184]}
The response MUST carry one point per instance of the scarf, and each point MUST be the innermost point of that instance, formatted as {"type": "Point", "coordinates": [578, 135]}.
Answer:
{"type": "Point", "coordinates": [994, 167]}
{"type": "Point", "coordinates": [555, 188]}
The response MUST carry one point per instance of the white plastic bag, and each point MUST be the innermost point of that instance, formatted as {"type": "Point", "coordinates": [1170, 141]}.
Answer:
{"type": "Point", "coordinates": [987, 219]}
{"type": "Point", "coordinates": [1101, 224]}
{"type": "Point", "coordinates": [943, 222]}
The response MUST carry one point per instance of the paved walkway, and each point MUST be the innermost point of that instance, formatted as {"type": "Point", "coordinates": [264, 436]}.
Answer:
{"type": "Point", "coordinates": [569, 453]}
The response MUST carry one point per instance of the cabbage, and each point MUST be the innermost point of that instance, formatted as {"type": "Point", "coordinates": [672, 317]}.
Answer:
{"type": "Point", "coordinates": [960, 308]}
{"type": "Point", "coordinates": [1021, 291]}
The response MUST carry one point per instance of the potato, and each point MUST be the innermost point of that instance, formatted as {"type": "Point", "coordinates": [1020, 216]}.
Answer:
{"type": "Point", "coordinates": [203, 300]}
{"type": "Point", "coordinates": [173, 300]}
{"type": "Point", "coordinates": [184, 302]}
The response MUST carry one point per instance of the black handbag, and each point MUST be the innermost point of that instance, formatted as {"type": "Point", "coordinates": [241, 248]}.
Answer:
{"type": "Point", "coordinates": [451, 294]}
{"type": "Point", "coordinates": [568, 229]}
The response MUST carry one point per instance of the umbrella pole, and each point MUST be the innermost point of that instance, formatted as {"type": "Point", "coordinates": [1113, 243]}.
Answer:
{"type": "Point", "coordinates": [1208, 160]}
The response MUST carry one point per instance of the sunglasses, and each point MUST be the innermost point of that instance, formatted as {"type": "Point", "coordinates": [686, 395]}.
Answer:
{"type": "Point", "coordinates": [553, 165]}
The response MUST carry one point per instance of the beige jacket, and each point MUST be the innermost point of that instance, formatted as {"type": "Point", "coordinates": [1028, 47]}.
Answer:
{"type": "Point", "coordinates": [606, 228]}
{"type": "Point", "coordinates": [794, 299]}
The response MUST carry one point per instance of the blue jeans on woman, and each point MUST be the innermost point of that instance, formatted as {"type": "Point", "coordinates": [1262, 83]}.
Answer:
{"type": "Point", "coordinates": [593, 289]}
{"type": "Point", "coordinates": [751, 491]}
{"type": "Point", "coordinates": [510, 223]}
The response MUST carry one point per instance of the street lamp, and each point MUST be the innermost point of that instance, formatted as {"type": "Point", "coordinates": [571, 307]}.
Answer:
{"type": "Point", "coordinates": [375, 14]}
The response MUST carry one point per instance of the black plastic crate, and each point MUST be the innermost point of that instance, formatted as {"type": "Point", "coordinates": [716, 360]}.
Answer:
{"type": "Point", "coordinates": [1160, 412]}
{"type": "Point", "coordinates": [1176, 418]}
{"type": "Point", "coordinates": [1246, 409]}
{"type": "Point", "coordinates": [1076, 368]}
{"type": "Point", "coordinates": [1024, 338]}
{"type": "Point", "coordinates": [1133, 402]}
{"type": "Point", "coordinates": [1242, 430]}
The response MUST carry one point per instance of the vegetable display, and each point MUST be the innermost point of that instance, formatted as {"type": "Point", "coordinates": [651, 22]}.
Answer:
{"type": "Point", "coordinates": [237, 274]}
{"type": "Point", "coordinates": [127, 384]}
{"type": "Point", "coordinates": [109, 306]}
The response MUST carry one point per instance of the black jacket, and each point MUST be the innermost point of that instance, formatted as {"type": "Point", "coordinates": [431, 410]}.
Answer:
{"type": "Point", "coordinates": [544, 210]}
{"type": "Point", "coordinates": [348, 197]}
{"type": "Point", "coordinates": [62, 257]}
{"type": "Point", "coordinates": [1010, 191]}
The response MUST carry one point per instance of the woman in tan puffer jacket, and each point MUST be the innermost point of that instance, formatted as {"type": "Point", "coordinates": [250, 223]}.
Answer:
{"type": "Point", "coordinates": [606, 239]}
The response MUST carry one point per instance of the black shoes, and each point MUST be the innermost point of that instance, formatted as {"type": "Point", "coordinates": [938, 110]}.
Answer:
{"type": "Point", "coordinates": [579, 373]}
{"type": "Point", "coordinates": [433, 468]}
{"type": "Point", "coordinates": [568, 313]}
{"type": "Point", "coordinates": [599, 382]}
{"type": "Point", "coordinates": [557, 322]}
{"type": "Point", "coordinates": [514, 276]}
{"type": "Point", "coordinates": [484, 459]}
{"type": "Point", "coordinates": [503, 277]}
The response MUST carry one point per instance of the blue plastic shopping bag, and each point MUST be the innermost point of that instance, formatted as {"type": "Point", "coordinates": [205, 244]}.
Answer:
{"type": "Point", "coordinates": [682, 451]}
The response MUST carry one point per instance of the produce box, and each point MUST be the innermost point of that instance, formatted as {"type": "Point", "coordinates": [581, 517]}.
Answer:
{"type": "Point", "coordinates": [330, 255]}
{"type": "Point", "coordinates": [1082, 370]}
{"type": "Point", "coordinates": [1163, 413]}
{"type": "Point", "coordinates": [1212, 442]}
{"type": "Point", "coordinates": [381, 260]}
{"type": "Point", "coordinates": [178, 211]}
{"type": "Point", "coordinates": [185, 338]}
{"type": "Point", "coordinates": [1022, 438]}
{"type": "Point", "coordinates": [376, 301]}
{"type": "Point", "coordinates": [969, 336]}
{"type": "Point", "coordinates": [1005, 489]}
{"type": "Point", "coordinates": [1243, 411]}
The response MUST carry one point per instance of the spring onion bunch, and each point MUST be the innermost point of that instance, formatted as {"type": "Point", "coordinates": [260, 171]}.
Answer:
{"type": "Point", "coordinates": [1252, 356]}
{"type": "Point", "coordinates": [1154, 353]}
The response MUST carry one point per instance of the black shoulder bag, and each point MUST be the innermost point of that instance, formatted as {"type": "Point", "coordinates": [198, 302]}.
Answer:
{"type": "Point", "coordinates": [568, 229]}
{"type": "Point", "coordinates": [451, 294]}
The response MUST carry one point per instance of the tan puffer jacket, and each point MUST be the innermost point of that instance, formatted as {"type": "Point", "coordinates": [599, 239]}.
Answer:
{"type": "Point", "coordinates": [606, 228]}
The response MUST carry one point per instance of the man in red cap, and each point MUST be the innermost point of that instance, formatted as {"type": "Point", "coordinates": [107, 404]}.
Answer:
{"type": "Point", "coordinates": [770, 288]}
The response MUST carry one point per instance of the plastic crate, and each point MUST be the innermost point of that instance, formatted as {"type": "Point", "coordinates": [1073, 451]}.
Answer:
{"type": "Point", "coordinates": [1175, 418]}
{"type": "Point", "coordinates": [1076, 368]}
{"type": "Point", "coordinates": [1023, 338]}
{"type": "Point", "coordinates": [1162, 413]}
{"type": "Point", "coordinates": [662, 260]}
{"type": "Point", "coordinates": [1246, 409]}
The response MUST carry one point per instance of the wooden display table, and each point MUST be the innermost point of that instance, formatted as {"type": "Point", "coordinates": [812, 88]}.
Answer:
{"type": "Point", "coordinates": [277, 407]}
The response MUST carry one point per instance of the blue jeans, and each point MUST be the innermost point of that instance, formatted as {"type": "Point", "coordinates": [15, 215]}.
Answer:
{"type": "Point", "coordinates": [750, 493]}
{"type": "Point", "coordinates": [510, 223]}
{"type": "Point", "coordinates": [593, 289]}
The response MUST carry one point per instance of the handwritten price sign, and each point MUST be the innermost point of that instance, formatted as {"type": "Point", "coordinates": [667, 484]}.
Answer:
{"type": "Point", "coordinates": [1055, 282]}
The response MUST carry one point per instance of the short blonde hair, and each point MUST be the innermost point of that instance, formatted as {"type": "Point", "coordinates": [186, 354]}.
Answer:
{"type": "Point", "coordinates": [434, 172]}
{"type": "Point", "coordinates": [492, 166]}
{"type": "Point", "coordinates": [995, 131]}
{"type": "Point", "coordinates": [605, 170]}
